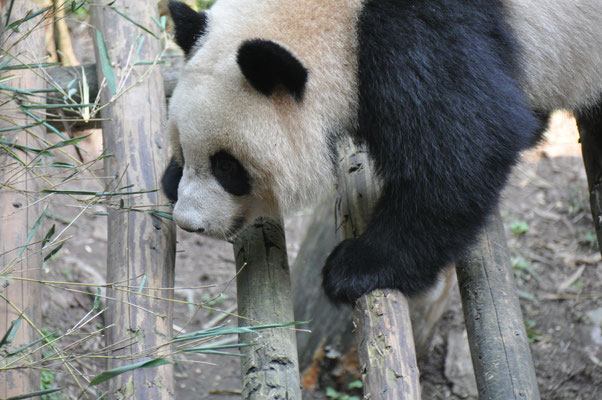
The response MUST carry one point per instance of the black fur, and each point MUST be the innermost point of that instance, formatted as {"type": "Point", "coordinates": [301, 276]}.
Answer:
{"type": "Point", "coordinates": [171, 180]}
{"type": "Point", "coordinates": [266, 65]}
{"type": "Point", "coordinates": [444, 120]}
{"type": "Point", "coordinates": [189, 25]}
{"type": "Point", "coordinates": [230, 174]}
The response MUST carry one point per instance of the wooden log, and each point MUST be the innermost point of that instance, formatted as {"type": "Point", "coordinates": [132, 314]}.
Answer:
{"type": "Point", "coordinates": [139, 244]}
{"type": "Point", "coordinates": [270, 368]}
{"type": "Point", "coordinates": [326, 354]}
{"type": "Point", "coordinates": [385, 342]}
{"type": "Point", "coordinates": [590, 132]}
{"type": "Point", "coordinates": [19, 209]}
{"type": "Point", "coordinates": [386, 348]}
{"type": "Point", "coordinates": [496, 333]}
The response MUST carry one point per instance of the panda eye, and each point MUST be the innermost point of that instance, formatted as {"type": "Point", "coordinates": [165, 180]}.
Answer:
{"type": "Point", "coordinates": [226, 166]}
{"type": "Point", "coordinates": [230, 173]}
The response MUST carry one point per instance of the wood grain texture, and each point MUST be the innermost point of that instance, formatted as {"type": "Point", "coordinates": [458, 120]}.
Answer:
{"type": "Point", "coordinates": [385, 348]}
{"type": "Point", "coordinates": [138, 244]}
{"type": "Point", "coordinates": [384, 331]}
{"type": "Point", "coordinates": [496, 333]}
{"type": "Point", "coordinates": [270, 368]}
{"type": "Point", "coordinates": [19, 209]}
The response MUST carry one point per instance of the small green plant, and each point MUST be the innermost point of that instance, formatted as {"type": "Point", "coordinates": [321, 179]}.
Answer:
{"type": "Point", "coordinates": [333, 394]}
{"type": "Point", "coordinates": [532, 334]}
{"type": "Point", "coordinates": [519, 227]}
{"type": "Point", "coordinates": [522, 268]}
{"type": "Point", "coordinates": [589, 239]}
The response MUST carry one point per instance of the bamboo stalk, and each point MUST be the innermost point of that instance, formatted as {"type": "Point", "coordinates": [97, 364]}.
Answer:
{"type": "Point", "coordinates": [140, 246]}
{"type": "Point", "coordinates": [270, 368]}
{"type": "Point", "coordinates": [496, 334]}
{"type": "Point", "coordinates": [19, 211]}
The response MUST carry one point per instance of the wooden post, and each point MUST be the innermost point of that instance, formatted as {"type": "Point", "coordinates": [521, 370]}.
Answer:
{"type": "Point", "coordinates": [590, 131]}
{"type": "Point", "coordinates": [331, 326]}
{"type": "Point", "coordinates": [18, 208]}
{"type": "Point", "coordinates": [270, 368]}
{"type": "Point", "coordinates": [139, 244]}
{"type": "Point", "coordinates": [385, 343]}
{"type": "Point", "coordinates": [496, 333]}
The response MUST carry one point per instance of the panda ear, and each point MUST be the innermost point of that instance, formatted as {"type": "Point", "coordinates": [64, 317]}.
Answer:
{"type": "Point", "coordinates": [189, 25]}
{"type": "Point", "coordinates": [266, 65]}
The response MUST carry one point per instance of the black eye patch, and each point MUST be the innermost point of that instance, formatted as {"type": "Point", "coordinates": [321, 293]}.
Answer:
{"type": "Point", "coordinates": [230, 173]}
{"type": "Point", "coordinates": [171, 180]}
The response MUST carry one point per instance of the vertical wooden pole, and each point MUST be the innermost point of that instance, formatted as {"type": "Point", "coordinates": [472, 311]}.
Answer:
{"type": "Point", "coordinates": [18, 208]}
{"type": "Point", "coordinates": [590, 131]}
{"type": "Point", "coordinates": [496, 334]}
{"type": "Point", "coordinates": [384, 331]}
{"type": "Point", "coordinates": [139, 244]}
{"type": "Point", "coordinates": [270, 368]}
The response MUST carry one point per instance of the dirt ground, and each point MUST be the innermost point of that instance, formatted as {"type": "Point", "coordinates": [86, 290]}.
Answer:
{"type": "Point", "coordinates": [554, 252]}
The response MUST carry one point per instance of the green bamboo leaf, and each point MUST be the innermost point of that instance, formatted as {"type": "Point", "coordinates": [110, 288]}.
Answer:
{"type": "Point", "coordinates": [223, 330]}
{"type": "Point", "coordinates": [49, 235]}
{"type": "Point", "coordinates": [9, 336]}
{"type": "Point", "coordinates": [14, 89]}
{"type": "Point", "coordinates": [27, 346]}
{"type": "Point", "coordinates": [96, 194]}
{"type": "Point", "coordinates": [10, 11]}
{"type": "Point", "coordinates": [53, 106]}
{"type": "Point", "coordinates": [97, 299]}
{"type": "Point", "coordinates": [105, 63]}
{"type": "Point", "coordinates": [106, 375]}
{"type": "Point", "coordinates": [12, 154]}
{"type": "Point", "coordinates": [35, 394]}
{"type": "Point", "coordinates": [27, 17]}
{"type": "Point", "coordinates": [20, 127]}
{"type": "Point", "coordinates": [48, 126]}
{"type": "Point", "coordinates": [142, 284]}
{"type": "Point", "coordinates": [134, 22]}
{"type": "Point", "coordinates": [53, 252]}
{"type": "Point", "coordinates": [161, 214]}
{"type": "Point", "coordinates": [32, 232]}
{"type": "Point", "coordinates": [59, 164]}
{"type": "Point", "coordinates": [28, 66]}
{"type": "Point", "coordinates": [68, 142]}
{"type": "Point", "coordinates": [25, 148]}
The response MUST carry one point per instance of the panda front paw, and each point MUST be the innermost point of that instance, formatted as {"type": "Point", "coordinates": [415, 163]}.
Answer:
{"type": "Point", "coordinates": [353, 269]}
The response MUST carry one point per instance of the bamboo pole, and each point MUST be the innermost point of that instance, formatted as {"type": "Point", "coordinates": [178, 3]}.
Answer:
{"type": "Point", "coordinates": [590, 131]}
{"type": "Point", "coordinates": [384, 332]}
{"type": "Point", "coordinates": [496, 334]}
{"type": "Point", "coordinates": [18, 207]}
{"type": "Point", "coordinates": [270, 368]}
{"type": "Point", "coordinates": [141, 247]}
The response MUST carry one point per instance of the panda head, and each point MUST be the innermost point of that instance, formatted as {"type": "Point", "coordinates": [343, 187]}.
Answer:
{"type": "Point", "coordinates": [248, 137]}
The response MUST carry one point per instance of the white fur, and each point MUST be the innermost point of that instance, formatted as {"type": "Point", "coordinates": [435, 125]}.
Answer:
{"type": "Point", "coordinates": [561, 45]}
{"type": "Point", "coordinates": [281, 142]}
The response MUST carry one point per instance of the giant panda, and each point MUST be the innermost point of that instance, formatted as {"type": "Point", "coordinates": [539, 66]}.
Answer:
{"type": "Point", "coordinates": [445, 94]}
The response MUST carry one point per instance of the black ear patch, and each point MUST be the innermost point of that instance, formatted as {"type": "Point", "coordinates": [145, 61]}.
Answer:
{"type": "Point", "coordinates": [266, 65]}
{"type": "Point", "coordinates": [189, 25]}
